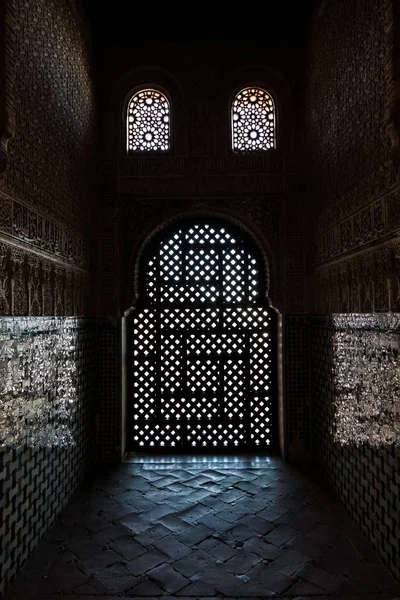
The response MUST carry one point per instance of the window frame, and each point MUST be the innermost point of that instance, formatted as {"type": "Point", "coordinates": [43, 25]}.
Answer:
{"type": "Point", "coordinates": [258, 151]}
{"type": "Point", "coordinates": [148, 85]}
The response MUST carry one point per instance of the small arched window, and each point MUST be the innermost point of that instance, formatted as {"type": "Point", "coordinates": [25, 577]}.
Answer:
{"type": "Point", "coordinates": [253, 120]}
{"type": "Point", "coordinates": [148, 122]}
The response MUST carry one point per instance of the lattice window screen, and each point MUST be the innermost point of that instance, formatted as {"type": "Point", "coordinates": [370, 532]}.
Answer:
{"type": "Point", "coordinates": [253, 120]}
{"type": "Point", "coordinates": [203, 346]}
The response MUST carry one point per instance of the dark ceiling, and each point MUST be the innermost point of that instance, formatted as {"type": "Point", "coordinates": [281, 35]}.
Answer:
{"type": "Point", "coordinates": [267, 24]}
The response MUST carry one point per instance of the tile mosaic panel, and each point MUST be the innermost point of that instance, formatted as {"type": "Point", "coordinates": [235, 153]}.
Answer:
{"type": "Point", "coordinates": [46, 427]}
{"type": "Point", "coordinates": [355, 390]}
{"type": "Point", "coordinates": [297, 396]}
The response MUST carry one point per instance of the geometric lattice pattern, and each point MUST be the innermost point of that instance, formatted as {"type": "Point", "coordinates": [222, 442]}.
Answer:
{"type": "Point", "coordinates": [203, 346]}
{"type": "Point", "coordinates": [253, 120]}
{"type": "Point", "coordinates": [148, 122]}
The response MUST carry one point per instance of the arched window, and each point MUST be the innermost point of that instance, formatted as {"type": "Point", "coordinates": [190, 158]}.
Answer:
{"type": "Point", "coordinates": [148, 122]}
{"type": "Point", "coordinates": [253, 120]}
{"type": "Point", "coordinates": [203, 344]}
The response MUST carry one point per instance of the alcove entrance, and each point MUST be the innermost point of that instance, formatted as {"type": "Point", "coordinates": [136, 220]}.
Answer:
{"type": "Point", "coordinates": [202, 344]}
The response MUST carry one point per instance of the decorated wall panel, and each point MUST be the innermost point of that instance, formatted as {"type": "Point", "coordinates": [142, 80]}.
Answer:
{"type": "Point", "coordinates": [354, 172]}
{"type": "Point", "coordinates": [47, 179]}
{"type": "Point", "coordinates": [46, 426]}
{"type": "Point", "coordinates": [356, 427]}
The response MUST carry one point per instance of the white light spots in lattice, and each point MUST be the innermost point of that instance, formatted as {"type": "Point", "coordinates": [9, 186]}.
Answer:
{"type": "Point", "coordinates": [203, 349]}
{"type": "Point", "coordinates": [148, 122]}
{"type": "Point", "coordinates": [253, 120]}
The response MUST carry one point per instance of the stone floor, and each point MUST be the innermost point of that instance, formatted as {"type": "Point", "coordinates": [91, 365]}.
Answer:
{"type": "Point", "coordinates": [200, 527]}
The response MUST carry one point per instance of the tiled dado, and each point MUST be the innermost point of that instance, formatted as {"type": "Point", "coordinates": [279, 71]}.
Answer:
{"type": "Point", "coordinates": [354, 366]}
{"type": "Point", "coordinates": [27, 225]}
{"type": "Point", "coordinates": [46, 426]}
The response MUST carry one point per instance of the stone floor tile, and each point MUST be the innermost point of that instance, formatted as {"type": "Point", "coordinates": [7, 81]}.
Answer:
{"type": "Point", "coordinates": [146, 588]}
{"type": "Point", "coordinates": [198, 495]}
{"type": "Point", "coordinates": [242, 562]}
{"type": "Point", "coordinates": [164, 482]}
{"type": "Point", "coordinates": [119, 585]}
{"type": "Point", "coordinates": [231, 479]}
{"type": "Point", "coordinates": [304, 588]}
{"type": "Point", "coordinates": [103, 503]}
{"type": "Point", "coordinates": [126, 496]}
{"type": "Point", "coordinates": [156, 513]}
{"type": "Point", "coordinates": [265, 550]}
{"type": "Point", "coordinates": [257, 523]}
{"type": "Point", "coordinates": [141, 504]}
{"type": "Point", "coordinates": [327, 581]}
{"type": "Point", "coordinates": [344, 564]}
{"type": "Point", "coordinates": [239, 533]}
{"type": "Point", "coordinates": [172, 547]}
{"type": "Point", "coordinates": [194, 562]}
{"type": "Point", "coordinates": [280, 535]}
{"type": "Point", "coordinates": [219, 550]}
{"type": "Point", "coordinates": [247, 487]}
{"type": "Point", "coordinates": [215, 502]}
{"type": "Point", "coordinates": [99, 561]}
{"type": "Point", "coordinates": [137, 483]}
{"type": "Point", "coordinates": [93, 586]}
{"type": "Point", "coordinates": [174, 523]}
{"type": "Point", "coordinates": [323, 534]}
{"type": "Point", "coordinates": [232, 495]}
{"type": "Point", "coordinates": [250, 504]}
{"type": "Point", "coordinates": [273, 580]}
{"type": "Point", "coordinates": [219, 578]}
{"type": "Point", "coordinates": [152, 534]}
{"type": "Point", "coordinates": [116, 570]}
{"type": "Point", "coordinates": [272, 512]}
{"type": "Point", "coordinates": [135, 523]}
{"type": "Point", "coordinates": [180, 488]}
{"type": "Point", "coordinates": [116, 515]}
{"type": "Point", "coordinates": [193, 513]}
{"type": "Point", "coordinates": [297, 521]}
{"type": "Point", "coordinates": [127, 547]}
{"type": "Point", "coordinates": [290, 561]}
{"type": "Point", "coordinates": [182, 475]}
{"type": "Point", "coordinates": [306, 546]}
{"type": "Point", "coordinates": [197, 480]}
{"type": "Point", "coordinates": [212, 487]}
{"type": "Point", "coordinates": [215, 475]}
{"type": "Point", "coordinates": [198, 589]}
{"type": "Point", "coordinates": [94, 523]}
{"type": "Point", "coordinates": [111, 534]}
{"type": "Point", "coordinates": [168, 578]}
{"type": "Point", "coordinates": [231, 514]}
{"type": "Point", "coordinates": [63, 556]}
{"type": "Point", "coordinates": [214, 523]}
{"type": "Point", "coordinates": [145, 562]}
{"type": "Point", "coordinates": [162, 496]}
{"type": "Point", "coordinates": [195, 535]}
{"type": "Point", "coordinates": [62, 578]}
{"type": "Point", "coordinates": [83, 548]}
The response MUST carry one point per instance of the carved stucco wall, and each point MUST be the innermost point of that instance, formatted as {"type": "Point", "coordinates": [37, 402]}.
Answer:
{"type": "Point", "coordinates": [47, 180]}
{"type": "Point", "coordinates": [354, 172]}
{"type": "Point", "coordinates": [355, 176]}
